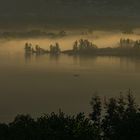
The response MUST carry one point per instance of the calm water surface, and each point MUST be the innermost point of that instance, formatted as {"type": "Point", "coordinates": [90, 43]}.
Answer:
{"type": "Point", "coordinates": [42, 84]}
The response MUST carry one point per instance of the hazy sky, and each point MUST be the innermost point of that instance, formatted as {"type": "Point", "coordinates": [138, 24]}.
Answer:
{"type": "Point", "coordinates": [59, 6]}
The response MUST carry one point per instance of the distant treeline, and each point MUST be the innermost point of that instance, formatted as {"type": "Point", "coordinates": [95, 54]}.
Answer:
{"type": "Point", "coordinates": [126, 47]}
{"type": "Point", "coordinates": [32, 33]}
{"type": "Point", "coordinates": [110, 119]}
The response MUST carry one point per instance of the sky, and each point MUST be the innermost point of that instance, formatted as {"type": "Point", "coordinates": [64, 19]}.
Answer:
{"type": "Point", "coordinates": [78, 11]}
{"type": "Point", "coordinates": [54, 7]}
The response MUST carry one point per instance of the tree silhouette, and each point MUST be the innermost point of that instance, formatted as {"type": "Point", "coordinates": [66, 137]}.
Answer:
{"type": "Point", "coordinates": [111, 119]}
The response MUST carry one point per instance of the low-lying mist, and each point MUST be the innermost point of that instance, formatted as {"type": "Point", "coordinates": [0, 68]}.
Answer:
{"type": "Point", "coordinates": [65, 38]}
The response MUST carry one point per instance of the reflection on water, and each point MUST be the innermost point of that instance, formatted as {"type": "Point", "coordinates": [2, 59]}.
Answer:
{"type": "Point", "coordinates": [44, 83]}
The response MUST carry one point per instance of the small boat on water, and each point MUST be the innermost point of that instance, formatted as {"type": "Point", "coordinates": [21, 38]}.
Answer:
{"type": "Point", "coordinates": [76, 75]}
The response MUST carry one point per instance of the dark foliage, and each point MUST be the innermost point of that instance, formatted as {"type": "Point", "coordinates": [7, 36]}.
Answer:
{"type": "Point", "coordinates": [112, 119]}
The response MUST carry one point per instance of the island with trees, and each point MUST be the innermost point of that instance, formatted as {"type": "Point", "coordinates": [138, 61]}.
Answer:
{"type": "Point", "coordinates": [126, 47]}
{"type": "Point", "coordinates": [54, 49]}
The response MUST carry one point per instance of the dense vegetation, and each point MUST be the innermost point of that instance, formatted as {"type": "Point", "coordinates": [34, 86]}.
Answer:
{"type": "Point", "coordinates": [110, 119]}
{"type": "Point", "coordinates": [83, 46]}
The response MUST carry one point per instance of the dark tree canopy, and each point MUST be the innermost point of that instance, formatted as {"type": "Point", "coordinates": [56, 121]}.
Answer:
{"type": "Point", "coordinates": [112, 119]}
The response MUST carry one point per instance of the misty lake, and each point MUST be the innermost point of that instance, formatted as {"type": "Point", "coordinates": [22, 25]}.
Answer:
{"type": "Point", "coordinates": [42, 84]}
